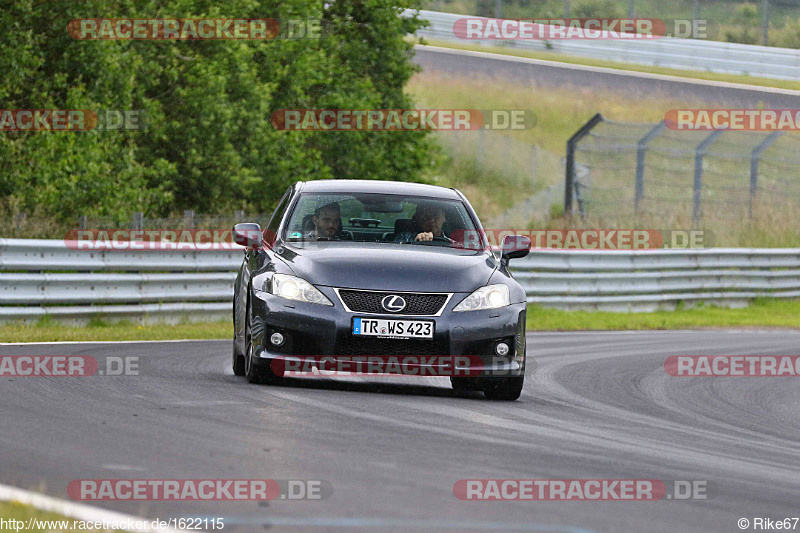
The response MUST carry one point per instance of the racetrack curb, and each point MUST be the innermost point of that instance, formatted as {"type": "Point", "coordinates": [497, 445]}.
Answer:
{"type": "Point", "coordinates": [70, 509]}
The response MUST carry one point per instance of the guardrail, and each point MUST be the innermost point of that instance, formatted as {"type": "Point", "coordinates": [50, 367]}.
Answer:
{"type": "Point", "coordinates": [644, 280]}
{"type": "Point", "coordinates": [691, 54]}
{"type": "Point", "coordinates": [47, 277]}
{"type": "Point", "coordinates": [42, 277]}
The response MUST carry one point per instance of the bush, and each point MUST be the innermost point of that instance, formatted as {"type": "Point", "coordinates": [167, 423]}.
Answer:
{"type": "Point", "coordinates": [597, 9]}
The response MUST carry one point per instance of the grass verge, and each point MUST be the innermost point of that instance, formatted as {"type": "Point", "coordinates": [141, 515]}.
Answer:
{"type": "Point", "coordinates": [761, 313]}
{"type": "Point", "coordinates": [51, 331]}
{"type": "Point", "coordinates": [24, 513]}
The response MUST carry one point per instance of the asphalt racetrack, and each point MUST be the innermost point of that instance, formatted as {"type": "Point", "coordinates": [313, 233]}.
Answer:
{"type": "Point", "coordinates": [510, 70]}
{"type": "Point", "coordinates": [595, 406]}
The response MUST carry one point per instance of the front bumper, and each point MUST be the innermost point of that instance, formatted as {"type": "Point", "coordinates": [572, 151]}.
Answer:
{"type": "Point", "coordinates": [466, 338]}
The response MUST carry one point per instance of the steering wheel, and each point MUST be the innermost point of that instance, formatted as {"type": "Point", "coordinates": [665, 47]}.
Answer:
{"type": "Point", "coordinates": [435, 239]}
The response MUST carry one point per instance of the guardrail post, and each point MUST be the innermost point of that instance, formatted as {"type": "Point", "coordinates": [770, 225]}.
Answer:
{"type": "Point", "coordinates": [754, 160]}
{"type": "Point", "coordinates": [19, 219]}
{"type": "Point", "coordinates": [572, 143]}
{"type": "Point", "coordinates": [698, 171]}
{"type": "Point", "coordinates": [641, 151]}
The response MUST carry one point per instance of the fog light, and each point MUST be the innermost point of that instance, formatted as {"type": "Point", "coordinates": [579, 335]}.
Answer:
{"type": "Point", "coordinates": [276, 339]}
{"type": "Point", "coordinates": [501, 349]}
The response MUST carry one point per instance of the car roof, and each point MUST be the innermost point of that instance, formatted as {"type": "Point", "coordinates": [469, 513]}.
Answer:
{"type": "Point", "coordinates": [380, 187]}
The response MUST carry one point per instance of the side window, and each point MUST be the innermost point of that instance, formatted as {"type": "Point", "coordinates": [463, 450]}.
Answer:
{"type": "Point", "coordinates": [271, 233]}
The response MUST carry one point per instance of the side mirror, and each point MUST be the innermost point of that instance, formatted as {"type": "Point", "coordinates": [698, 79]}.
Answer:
{"type": "Point", "coordinates": [515, 247]}
{"type": "Point", "coordinates": [247, 234]}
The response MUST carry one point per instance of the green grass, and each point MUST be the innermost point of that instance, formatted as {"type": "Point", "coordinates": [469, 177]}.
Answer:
{"type": "Point", "coordinates": [553, 56]}
{"type": "Point", "coordinates": [98, 330]}
{"type": "Point", "coordinates": [761, 313]}
{"type": "Point", "coordinates": [18, 511]}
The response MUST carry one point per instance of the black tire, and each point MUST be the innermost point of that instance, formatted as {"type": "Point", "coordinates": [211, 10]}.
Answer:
{"type": "Point", "coordinates": [464, 384]}
{"type": "Point", "coordinates": [252, 372]}
{"type": "Point", "coordinates": [504, 389]}
{"type": "Point", "coordinates": [238, 361]}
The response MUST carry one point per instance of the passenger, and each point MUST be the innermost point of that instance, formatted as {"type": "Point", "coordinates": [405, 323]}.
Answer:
{"type": "Point", "coordinates": [428, 220]}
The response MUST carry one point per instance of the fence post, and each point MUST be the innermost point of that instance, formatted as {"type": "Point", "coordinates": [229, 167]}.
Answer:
{"type": "Point", "coordinates": [698, 171]}
{"type": "Point", "coordinates": [754, 159]}
{"type": "Point", "coordinates": [83, 222]}
{"type": "Point", "coordinates": [641, 151]}
{"type": "Point", "coordinates": [138, 220]}
{"type": "Point", "coordinates": [571, 145]}
{"type": "Point", "coordinates": [188, 218]}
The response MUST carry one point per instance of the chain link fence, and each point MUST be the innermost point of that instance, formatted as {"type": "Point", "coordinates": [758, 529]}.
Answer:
{"type": "Point", "coordinates": [632, 169]}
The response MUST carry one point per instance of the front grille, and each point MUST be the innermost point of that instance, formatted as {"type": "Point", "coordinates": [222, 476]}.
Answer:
{"type": "Point", "coordinates": [375, 346]}
{"type": "Point", "coordinates": [370, 302]}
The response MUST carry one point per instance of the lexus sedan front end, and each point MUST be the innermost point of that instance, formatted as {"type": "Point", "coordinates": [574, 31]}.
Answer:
{"type": "Point", "coordinates": [351, 272]}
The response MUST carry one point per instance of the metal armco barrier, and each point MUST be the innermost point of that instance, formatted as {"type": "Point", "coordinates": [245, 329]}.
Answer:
{"type": "Point", "coordinates": [46, 277]}
{"type": "Point", "coordinates": [643, 280]}
{"type": "Point", "coordinates": [692, 54]}
{"type": "Point", "coordinates": [43, 277]}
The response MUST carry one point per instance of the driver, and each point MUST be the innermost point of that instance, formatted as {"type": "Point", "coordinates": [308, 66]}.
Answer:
{"type": "Point", "coordinates": [428, 220]}
{"type": "Point", "coordinates": [327, 220]}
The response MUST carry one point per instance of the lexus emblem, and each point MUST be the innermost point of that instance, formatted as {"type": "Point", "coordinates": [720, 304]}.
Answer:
{"type": "Point", "coordinates": [393, 303]}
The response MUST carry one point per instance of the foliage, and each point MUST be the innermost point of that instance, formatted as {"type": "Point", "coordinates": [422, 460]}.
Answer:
{"type": "Point", "coordinates": [209, 144]}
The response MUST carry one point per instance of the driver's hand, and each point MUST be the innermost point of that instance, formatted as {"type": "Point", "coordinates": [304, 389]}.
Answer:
{"type": "Point", "coordinates": [424, 236]}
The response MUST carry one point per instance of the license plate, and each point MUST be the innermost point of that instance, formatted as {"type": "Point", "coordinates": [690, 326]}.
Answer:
{"type": "Point", "coordinates": [392, 328]}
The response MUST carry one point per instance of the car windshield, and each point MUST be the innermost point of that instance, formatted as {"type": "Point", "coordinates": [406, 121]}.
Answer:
{"type": "Point", "coordinates": [381, 218]}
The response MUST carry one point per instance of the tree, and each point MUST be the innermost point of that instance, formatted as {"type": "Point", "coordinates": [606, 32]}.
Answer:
{"type": "Point", "coordinates": [209, 144]}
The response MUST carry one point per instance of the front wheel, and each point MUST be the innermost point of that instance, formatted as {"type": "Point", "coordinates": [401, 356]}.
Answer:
{"type": "Point", "coordinates": [255, 373]}
{"type": "Point", "coordinates": [505, 389]}
{"type": "Point", "coordinates": [238, 361]}
{"type": "Point", "coordinates": [252, 372]}
{"type": "Point", "coordinates": [465, 384]}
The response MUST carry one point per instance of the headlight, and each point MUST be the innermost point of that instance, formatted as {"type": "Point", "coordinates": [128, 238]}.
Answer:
{"type": "Point", "coordinates": [298, 289]}
{"type": "Point", "coordinates": [488, 297]}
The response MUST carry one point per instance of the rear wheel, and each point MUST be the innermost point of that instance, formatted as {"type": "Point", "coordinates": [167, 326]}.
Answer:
{"type": "Point", "coordinates": [506, 389]}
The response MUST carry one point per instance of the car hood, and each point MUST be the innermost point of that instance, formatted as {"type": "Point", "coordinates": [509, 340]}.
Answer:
{"type": "Point", "coordinates": [391, 267]}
